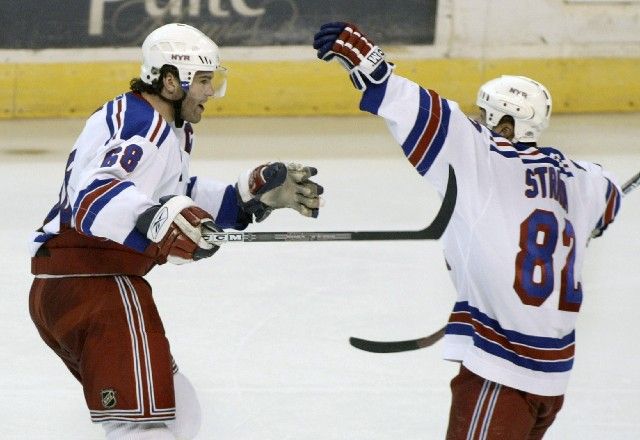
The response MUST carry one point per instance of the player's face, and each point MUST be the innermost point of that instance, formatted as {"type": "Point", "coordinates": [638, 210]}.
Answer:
{"type": "Point", "coordinates": [200, 90]}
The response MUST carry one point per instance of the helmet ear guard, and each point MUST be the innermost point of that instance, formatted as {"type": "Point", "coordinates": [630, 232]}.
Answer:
{"type": "Point", "coordinates": [185, 48]}
{"type": "Point", "coordinates": [527, 101]}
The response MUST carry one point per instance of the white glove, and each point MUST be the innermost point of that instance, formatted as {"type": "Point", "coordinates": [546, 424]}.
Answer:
{"type": "Point", "coordinates": [276, 185]}
{"type": "Point", "coordinates": [176, 225]}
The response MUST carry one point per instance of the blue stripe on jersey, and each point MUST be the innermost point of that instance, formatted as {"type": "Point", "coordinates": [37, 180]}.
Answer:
{"type": "Point", "coordinates": [108, 118]}
{"type": "Point", "coordinates": [92, 186]}
{"type": "Point", "coordinates": [165, 133]}
{"type": "Point", "coordinates": [429, 117]}
{"type": "Point", "coordinates": [137, 117]}
{"type": "Point", "coordinates": [513, 337]}
{"type": "Point", "coordinates": [97, 205]}
{"type": "Point", "coordinates": [531, 364]}
{"type": "Point", "coordinates": [190, 185]}
{"type": "Point", "coordinates": [228, 213]}
{"type": "Point", "coordinates": [424, 109]}
{"type": "Point", "coordinates": [548, 155]}
{"type": "Point", "coordinates": [457, 328]}
{"type": "Point", "coordinates": [137, 240]}
{"type": "Point", "coordinates": [372, 97]}
{"type": "Point", "coordinates": [52, 214]}
{"type": "Point", "coordinates": [577, 165]}
{"type": "Point", "coordinates": [65, 215]}
{"type": "Point", "coordinates": [44, 237]}
{"type": "Point", "coordinates": [541, 342]}
{"type": "Point", "coordinates": [438, 140]}
{"type": "Point", "coordinates": [611, 208]}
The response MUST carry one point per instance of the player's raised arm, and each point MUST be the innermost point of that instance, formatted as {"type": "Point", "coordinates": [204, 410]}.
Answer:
{"type": "Point", "coordinates": [423, 123]}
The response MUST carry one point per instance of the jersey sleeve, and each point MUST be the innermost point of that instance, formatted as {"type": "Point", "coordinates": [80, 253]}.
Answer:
{"type": "Point", "coordinates": [607, 193]}
{"type": "Point", "coordinates": [433, 132]}
{"type": "Point", "coordinates": [220, 200]}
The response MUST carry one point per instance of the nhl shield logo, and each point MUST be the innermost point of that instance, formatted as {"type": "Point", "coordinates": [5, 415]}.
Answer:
{"type": "Point", "coordinates": [108, 397]}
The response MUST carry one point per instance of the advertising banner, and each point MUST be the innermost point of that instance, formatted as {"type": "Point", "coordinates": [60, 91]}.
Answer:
{"type": "Point", "coordinates": [38, 24]}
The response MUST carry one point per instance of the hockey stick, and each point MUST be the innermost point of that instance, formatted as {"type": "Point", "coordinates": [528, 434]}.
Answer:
{"type": "Point", "coordinates": [432, 232]}
{"type": "Point", "coordinates": [396, 346]}
{"type": "Point", "coordinates": [631, 184]}
{"type": "Point", "coordinates": [414, 344]}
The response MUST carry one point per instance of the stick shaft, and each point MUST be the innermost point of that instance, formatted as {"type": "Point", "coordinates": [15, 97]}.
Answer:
{"type": "Point", "coordinates": [432, 232]}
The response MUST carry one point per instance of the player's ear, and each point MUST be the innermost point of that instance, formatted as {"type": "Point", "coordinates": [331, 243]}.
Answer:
{"type": "Point", "coordinates": [505, 127]}
{"type": "Point", "coordinates": [170, 83]}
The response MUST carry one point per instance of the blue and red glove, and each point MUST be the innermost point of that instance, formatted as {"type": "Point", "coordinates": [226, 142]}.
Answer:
{"type": "Point", "coordinates": [358, 55]}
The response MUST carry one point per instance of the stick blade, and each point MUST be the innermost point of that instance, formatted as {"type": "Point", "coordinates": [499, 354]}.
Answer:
{"type": "Point", "coordinates": [397, 346]}
{"type": "Point", "coordinates": [383, 347]}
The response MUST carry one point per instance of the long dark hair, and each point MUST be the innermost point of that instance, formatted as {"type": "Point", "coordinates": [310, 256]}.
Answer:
{"type": "Point", "coordinates": [139, 86]}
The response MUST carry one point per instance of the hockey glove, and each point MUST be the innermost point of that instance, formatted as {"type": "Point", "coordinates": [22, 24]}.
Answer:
{"type": "Point", "coordinates": [363, 60]}
{"type": "Point", "coordinates": [177, 226]}
{"type": "Point", "coordinates": [276, 185]}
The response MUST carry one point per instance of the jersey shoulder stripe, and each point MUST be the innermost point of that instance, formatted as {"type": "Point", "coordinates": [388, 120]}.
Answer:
{"type": "Point", "coordinates": [114, 115]}
{"type": "Point", "coordinates": [528, 154]}
{"type": "Point", "coordinates": [140, 119]}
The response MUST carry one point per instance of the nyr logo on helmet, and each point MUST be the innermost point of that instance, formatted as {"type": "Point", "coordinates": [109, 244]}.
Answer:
{"type": "Point", "coordinates": [179, 57]}
{"type": "Point", "coordinates": [518, 92]}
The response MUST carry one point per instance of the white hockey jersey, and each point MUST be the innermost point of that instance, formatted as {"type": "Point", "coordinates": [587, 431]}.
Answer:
{"type": "Point", "coordinates": [517, 239]}
{"type": "Point", "coordinates": [126, 158]}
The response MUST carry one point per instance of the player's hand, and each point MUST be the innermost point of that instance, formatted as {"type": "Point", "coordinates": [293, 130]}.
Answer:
{"type": "Point", "coordinates": [276, 185]}
{"type": "Point", "coordinates": [177, 225]}
{"type": "Point", "coordinates": [363, 60]}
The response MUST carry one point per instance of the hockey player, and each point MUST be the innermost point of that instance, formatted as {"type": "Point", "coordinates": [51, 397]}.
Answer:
{"type": "Point", "coordinates": [515, 243]}
{"type": "Point", "coordinates": [127, 203]}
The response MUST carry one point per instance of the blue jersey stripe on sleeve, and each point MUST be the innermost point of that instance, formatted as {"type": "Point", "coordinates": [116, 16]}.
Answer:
{"type": "Point", "coordinates": [91, 200]}
{"type": "Point", "coordinates": [99, 203]}
{"type": "Point", "coordinates": [424, 142]}
{"type": "Point", "coordinates": [190, 185]}
{"type": "Point", "coordinates": [228, 213]}
{"type": "Point", "coordinates": [372, 97]}
{"type": "Point", "coordinates": [137, 241]}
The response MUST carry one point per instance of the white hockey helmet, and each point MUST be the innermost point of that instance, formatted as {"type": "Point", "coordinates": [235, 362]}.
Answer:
{"type": "Point", "coordinates": [186, 48]}
{"type": "Point", "coordinates": [526, 100]}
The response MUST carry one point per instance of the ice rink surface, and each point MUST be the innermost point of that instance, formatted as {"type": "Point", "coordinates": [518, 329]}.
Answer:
{"type": "Point", "coordinates": [261, 329]}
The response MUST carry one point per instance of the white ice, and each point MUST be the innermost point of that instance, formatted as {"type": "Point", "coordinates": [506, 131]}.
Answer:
{"type": "Point", "coordinates": [262, 329]}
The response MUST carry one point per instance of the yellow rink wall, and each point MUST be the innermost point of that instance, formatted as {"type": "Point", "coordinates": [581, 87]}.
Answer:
{"type": "Point", "coordinates": [297, 88]}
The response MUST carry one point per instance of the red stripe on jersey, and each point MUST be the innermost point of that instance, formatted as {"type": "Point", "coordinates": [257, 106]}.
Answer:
{"type": "Point", "coordinates": [87, 201]}
{"type": "Point", "coordinates": [118, 112]}
{"type": "Point", "coordinates": [521, 350]}
{"type": "Point", "coordinates": [156, 130]}
{"type": "Point", "coordinates": [435, 116]}
{"type": "Point", "coordinates": [610, 211]}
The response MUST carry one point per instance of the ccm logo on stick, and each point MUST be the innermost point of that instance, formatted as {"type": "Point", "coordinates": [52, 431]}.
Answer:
{"type": "Point", "coordinates": [214, 238]}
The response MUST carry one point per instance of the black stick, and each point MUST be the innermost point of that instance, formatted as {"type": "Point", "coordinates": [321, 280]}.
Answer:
{"type": "Point", "coordinates": [432, 232]}
{"type": "Point", "coordinates": [396, 346]}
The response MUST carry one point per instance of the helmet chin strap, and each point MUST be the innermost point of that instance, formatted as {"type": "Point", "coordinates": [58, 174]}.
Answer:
{"type": "Point", "coordinates": [177, 108]}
